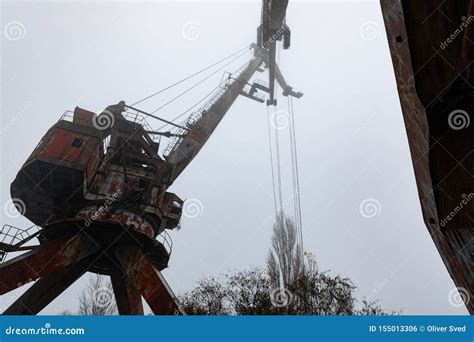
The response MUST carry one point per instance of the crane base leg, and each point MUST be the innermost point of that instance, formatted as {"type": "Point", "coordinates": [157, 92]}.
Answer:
{"type": "Point", "coordinates": [148, 280]}
{"type": "Point", "coordinates": [45, 259]}
{"type": "Point", "coordinates": [46, 289]}
{"type": "Point", "coordinates": [127, 296]}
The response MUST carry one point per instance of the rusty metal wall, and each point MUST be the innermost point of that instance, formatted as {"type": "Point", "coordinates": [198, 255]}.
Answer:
{"type": "Point", "coordinates": [455, 245]}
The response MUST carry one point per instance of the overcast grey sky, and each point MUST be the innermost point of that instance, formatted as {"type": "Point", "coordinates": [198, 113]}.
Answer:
{"type": "Point", "coordinates": [352, 144]}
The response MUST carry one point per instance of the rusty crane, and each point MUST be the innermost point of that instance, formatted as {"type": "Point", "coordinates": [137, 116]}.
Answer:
{"type": "Point", "coordinates": [95, 188]}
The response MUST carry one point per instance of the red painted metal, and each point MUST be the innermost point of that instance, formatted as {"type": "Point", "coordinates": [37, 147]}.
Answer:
{"type": "Point", "coordinates": [44, 260]}
{"type": "Point", "coordinates": [94, 189]}
{"type": "Point", "coordinates": [101, 176]}
{"type": "Point", "coordinates": [127, 296]}
{"type": "Point", "coordinates": [148, 280]}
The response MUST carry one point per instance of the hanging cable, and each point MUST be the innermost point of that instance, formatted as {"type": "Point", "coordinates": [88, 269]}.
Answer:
{"type": "Point", "coordinates": [277, 146]}
{"type": "Point", "coordinates": [190, 108]}
{"type": "Point", "coordinates": [271, 160]}
{"type": "Point", "coordinates": [278, 161]}
{"type": "Point", "coordinates": [296, 181]}
{"type": "Point", "coordinates": [190, 76]}
{"type": "Point", "coordinates": [201, 100]}
{"type": "Point", "coordinates": [197, 84]}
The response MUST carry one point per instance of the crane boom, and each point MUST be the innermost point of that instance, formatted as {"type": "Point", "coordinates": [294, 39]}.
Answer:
{"type": "Point", "coordinates": [188, 146]}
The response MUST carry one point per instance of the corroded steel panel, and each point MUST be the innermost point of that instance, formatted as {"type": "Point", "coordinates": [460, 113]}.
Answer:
{"type": "Point", "coordinates": [127, 296]}
{"type": "Point", "coordinates": [148, 280]}
{"type": "Point", "coordinates": [44, 260]}
{"type": "Point", "coordinates": [46, 289]}
{"type": "Point", "coordinates": [431, 86]}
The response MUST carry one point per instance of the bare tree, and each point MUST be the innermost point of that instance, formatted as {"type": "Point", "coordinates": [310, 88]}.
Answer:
{"type": "Point", "coordinates": [66, 313]}
{"type": "Point", "coordinates": [283, 262]}
{"type": "Point", "coordinates": [208, 298]}
{"type": "Point", "coordinates": [250, 292]}
{"type": "Point", "coordinates": [98, 298]}
{"type": "Point", "coordinates": [286, 287]}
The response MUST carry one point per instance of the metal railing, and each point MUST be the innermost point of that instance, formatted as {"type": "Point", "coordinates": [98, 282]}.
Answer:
{"type": "Point", "coordinates": [193, 118]}
{"type": "Point", "coordinates": [129, 115]}
{"type": "Point", "coordinates": [68, 115]}
{"type": "Point", "coordinates": [11, 236]}
{"type": "Point", "coordinates": [165, 239]}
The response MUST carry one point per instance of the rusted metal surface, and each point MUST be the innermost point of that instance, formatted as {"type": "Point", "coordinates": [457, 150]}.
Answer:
{"type": "Point", "coordinates": [46, 289]}
{"type": "Point", "coordinates": [93, 189]}
{"type": "Point", "coordinates": [183, 151]}
{"type": "Point", "coordinates": [101, 213]}
{"type": "Point", "coordinates": [44, 260]}
{"type": "Point", "coordinates": [127, 296]}
{"type": "Point", "coordinates": [101, 175]}
{"type": "Point", "coordinates": [467, 54]}
{"type": "Point", "coordinates": [69, 171]}
{"type": "Point", "coordinates": [429, 59]}
{"type": "Point", "coordinates": [148, 280]}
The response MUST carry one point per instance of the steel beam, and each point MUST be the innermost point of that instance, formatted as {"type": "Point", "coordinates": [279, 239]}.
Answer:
{"type": "Point", "coordinates": [127, 296]}
{"type": "Point", "coordinates": [44, 260]}
{"type": "Point", "coordinates": [46, 289]}
{"type": "Point", "coordinates": [148, 280]}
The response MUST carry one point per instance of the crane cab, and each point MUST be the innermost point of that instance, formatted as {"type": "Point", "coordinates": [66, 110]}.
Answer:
{"type": "Point", "coordinates": [91, 170]}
